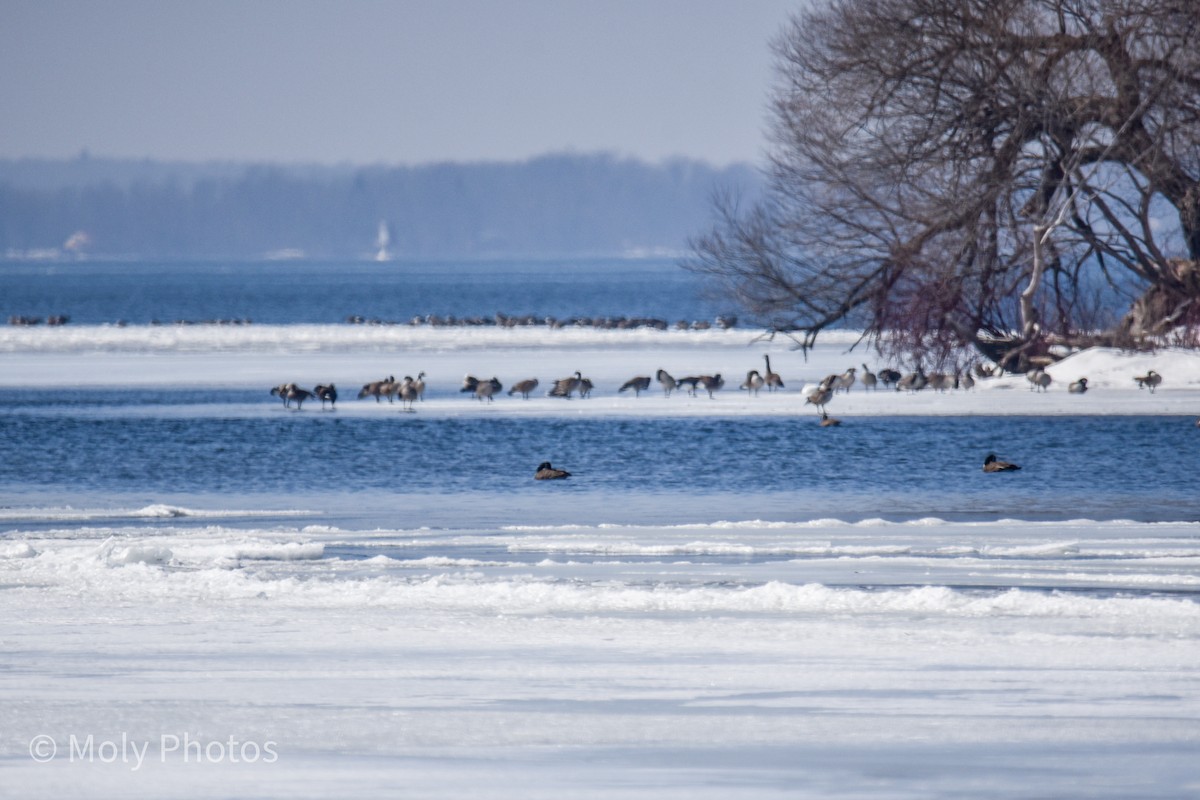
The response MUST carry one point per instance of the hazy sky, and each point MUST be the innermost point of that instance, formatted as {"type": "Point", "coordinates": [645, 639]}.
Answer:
{"type": "Point", "coordinates": [394, 82]}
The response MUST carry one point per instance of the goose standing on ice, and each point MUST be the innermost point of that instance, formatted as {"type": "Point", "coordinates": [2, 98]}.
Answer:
{"type": "Point", "coordinates": [889, 376]}
{"type": "Point", "coordinates": [1038, 379]}
{"type": "Point", "coordinates": [711, 383]}
{"type": "Point", "coordinates": [378, 389]}
{"type": "Point", "coordinates": [326, 391]}
{"type": "Point", "coordinates": [485, 389]}
{"type": "Point", "coordinates": [523, 388]}
{"type": "Point", "coordinates": [844, 381]}
{"type": "Point", "coordinates": [753, 382]}
{"type": "Point", "coordinates": [419, 385]}
{"type": "Point", "coordinates": [869, 380]}
{"type": "Point", "coordinates": [771, 379]}
{"type": "Point", "coordinates": [689, 383]}
{"type": "Point", "coordinates": [820, 396]}
{"type": "Point", "coordinates": [666, 381]}
{"type": "Point", "coordinates": [1150, 381]}
{"type": "Point", "coordinates": [281, 391]}
{"type": "Point", "coordinates": [564, 387]}
{"type": "Point", "coordinates": [585, 387]}
{"type": "Point", "coordinates": [639, 384]}
{"type": "Point", "coordinates": [407, 392]}
{"type": "Point", "coordinates": [545, 472]}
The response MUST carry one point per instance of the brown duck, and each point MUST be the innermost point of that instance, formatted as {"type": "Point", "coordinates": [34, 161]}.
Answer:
{"type": "Point", "coordinates": [992, 464]}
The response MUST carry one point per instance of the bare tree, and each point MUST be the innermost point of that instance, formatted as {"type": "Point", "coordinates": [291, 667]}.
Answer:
{"type": "Point", "coordinates": [976, 172]}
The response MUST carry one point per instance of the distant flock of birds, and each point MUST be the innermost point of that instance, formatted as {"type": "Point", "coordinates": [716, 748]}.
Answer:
{"type": "Point", "coordinates": [410, 390]}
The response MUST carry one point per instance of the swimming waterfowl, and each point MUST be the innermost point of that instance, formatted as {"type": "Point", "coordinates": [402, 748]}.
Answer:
{"type": "Point", "coordinates": [326, 392]}
{"type": "Point", "coordinates": [828, 421]}
{"type": "Point", "coordinates": [753, 382]}
{"type": "Point", "coordinates": [545, 472]}
{"type": "Point", "coordinates": [564, 387]}
{"type": "Point", "coordinates": [771, 379]}
{"type": "Point", "coordinates": [1078, 387]}
{"type": "Point", "coordinates": [523, 388]}
{"type": "Point", "coordinates": [1150, 381]}
{"type": "Point", "coordinates": [639, 384]}
{"type": "Point", "coordinates": [992, 464]}
{"type": "Point", "coordinates": [869, 381]}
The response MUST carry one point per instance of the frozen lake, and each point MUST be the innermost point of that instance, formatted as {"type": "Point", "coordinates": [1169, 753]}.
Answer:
{"type": "Point", "coordinates": [234, 599]}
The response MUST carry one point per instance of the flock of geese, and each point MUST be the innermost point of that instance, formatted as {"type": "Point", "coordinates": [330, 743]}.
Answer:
{"type": "Point", "coordinates": [410, 390]}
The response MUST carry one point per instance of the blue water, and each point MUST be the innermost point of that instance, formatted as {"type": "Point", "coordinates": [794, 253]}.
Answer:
{"type": "Point", "coordinates": [132, 447]}
{"type": "Point", "coordinates": [322, 292]}
{"type": "Point", "coordinates": [153, 446]}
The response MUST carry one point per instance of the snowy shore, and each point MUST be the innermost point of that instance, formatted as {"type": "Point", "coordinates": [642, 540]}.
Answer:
{"type": "Point", "coordinates": [214, 358]}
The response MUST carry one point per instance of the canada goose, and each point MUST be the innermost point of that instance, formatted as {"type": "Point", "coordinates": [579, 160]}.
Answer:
{"type": "Point", "coordinates": [940, 381]}
{"type": "Point", "coordinates": [545, 472]}
{"type": "Point", "coordinates": [820, 396]}
{"type": "Point", "coordinates": [991, 464]}
{"type": "Point", "coordinates": [869, 381]}
{"type": "Point", "coordinates": [326, 392]}
{"type": "Point", "coordinates": [407, 392]}
{"type": "Point", "coordinates": [377, 389]}
{"type": "Point", "coordinates": [563, 387]}
{"type": "Point", "coordinates": [828, 421]}
{"type": "Point", "coordinates": [281, 391]}
{"type": "Point", "coordinates": [889, 376]}
{"type": "Point", "coordinates": [639, 384]}
{"type": "Point", "coordinates": [289, 392]}
{"type": "Point", "coordinates": [666, 381]}
{"type": "Point", "coordinates": [585, 387]}
{"type": "Point", "coordinates": [753, 382]}
{"type": "Point", "coordinates": [968, 383]}
{"type": "Point", "coordinates": [689, 382]}
{"type": "Point", "coordinates": [913, 381]}
{"type": "Point", "coordinates": [1038, 379]}
{"type": "Point", "coordinates": [523, 388]}
{"type": "Point", "coordinates": [844, 381]}
{"type": "Point", "coordinates": [711, 383]}
{"type": "Point", "coordinates": [1150, 381]}
{"type": "Point", "coordinates": [419, 385]}
{"type": "Point", "coordinates": [771, 379]}
{"type": "Point", "coordinates": [485, 389]}
{"type": "Point", "coordinates": [298, 394]}
{"type": "Point", "coordinates": [1078, 387]}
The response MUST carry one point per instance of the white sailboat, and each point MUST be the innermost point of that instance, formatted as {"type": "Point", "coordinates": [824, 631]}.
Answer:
{"type": "Point", "coordinates": [382, 240]}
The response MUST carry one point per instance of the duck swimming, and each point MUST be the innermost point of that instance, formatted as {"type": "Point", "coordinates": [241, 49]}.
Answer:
{"type": "Point", "coordinates": [992, 464]}
{"type": "Point", "coordinates": [545, 472]}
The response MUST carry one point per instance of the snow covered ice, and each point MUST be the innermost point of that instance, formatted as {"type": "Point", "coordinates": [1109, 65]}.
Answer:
{"type": "Point", "coordinates": [456, 651]}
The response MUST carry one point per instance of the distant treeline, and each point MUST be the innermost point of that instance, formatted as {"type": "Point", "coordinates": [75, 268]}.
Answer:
{"type": "Point", "coordinates": [557, 205]}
